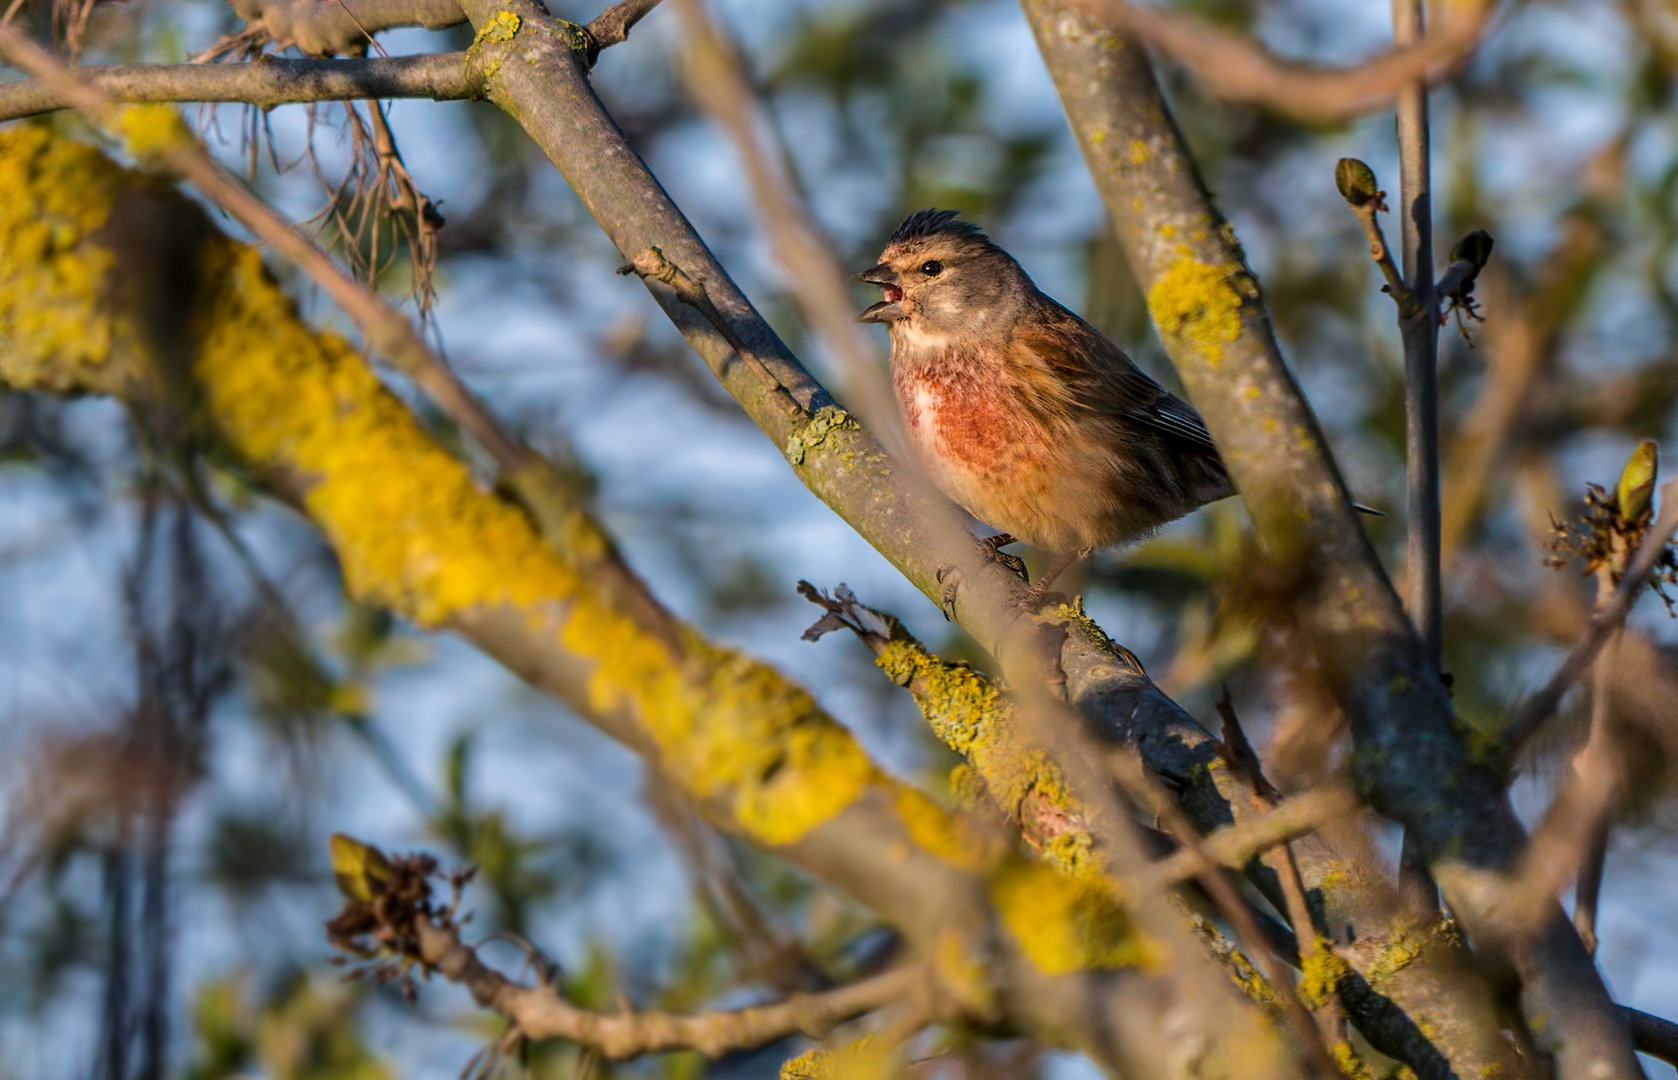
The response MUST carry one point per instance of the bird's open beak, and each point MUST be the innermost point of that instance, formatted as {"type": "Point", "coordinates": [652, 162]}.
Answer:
{"type": "Point", "coordinates": [891, 307]}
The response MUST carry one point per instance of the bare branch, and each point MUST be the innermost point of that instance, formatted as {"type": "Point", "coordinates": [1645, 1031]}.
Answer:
{"type": "Point", "coordinates": [1238, 68]}
{"type": "Point", "coordinates": [541, 1012]}
{"type": "Point", "coordinates": [1653, 1035]}
{"type": "Point", "coordinates": [1234, 846]}
{"type": "Point", "coordinates": [265, 83]}
{"type": "Point", "coordinates": [612, 26]}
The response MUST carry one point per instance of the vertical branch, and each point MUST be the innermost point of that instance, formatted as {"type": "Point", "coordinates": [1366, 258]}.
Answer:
{"type": "Point", "coordinates": [1419, 328]}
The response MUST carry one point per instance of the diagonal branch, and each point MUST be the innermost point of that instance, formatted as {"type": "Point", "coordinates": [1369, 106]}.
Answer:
{"type": "Point", "coordinates": [1238, 68]}
{"type": "Point", "coordinates": [542, 1012]}
{"type": "Point", "coordinates": [612, 26]}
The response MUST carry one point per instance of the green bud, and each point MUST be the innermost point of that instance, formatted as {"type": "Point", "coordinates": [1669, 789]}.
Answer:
{"type": "Point", "coordinates": [361, 870]}
{"type": "Point", "coordinates": [1637, 482]}
{"type": "Point", "coordinates": [1356, 181]}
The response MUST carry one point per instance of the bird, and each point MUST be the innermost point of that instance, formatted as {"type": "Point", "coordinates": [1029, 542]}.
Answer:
{"type": "Point", "coordinates": [1022, 413]}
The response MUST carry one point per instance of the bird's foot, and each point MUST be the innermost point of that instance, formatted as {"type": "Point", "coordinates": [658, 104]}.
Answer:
{"type": "Point", "coordinates": [950, 578]}
{"type": "Point", "coordinates": [993, 546]}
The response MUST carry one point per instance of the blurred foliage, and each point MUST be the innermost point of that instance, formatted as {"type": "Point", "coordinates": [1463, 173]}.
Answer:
{"type": "Point", "coordinates": [200, 708]}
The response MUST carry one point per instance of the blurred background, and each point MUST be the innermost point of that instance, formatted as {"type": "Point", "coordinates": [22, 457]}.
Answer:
{"type": "Point", "coordinates": [188, 707]}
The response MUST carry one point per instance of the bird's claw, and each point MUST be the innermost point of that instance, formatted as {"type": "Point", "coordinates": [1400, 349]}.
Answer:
{"type": "Point", "coordinates": [993, 546]}
{"type": "Point", "coordinates": [949, 577]}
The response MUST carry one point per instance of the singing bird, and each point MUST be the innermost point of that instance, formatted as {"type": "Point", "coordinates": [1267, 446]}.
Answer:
{"type": "Point", "coordinates": [1023, 413]}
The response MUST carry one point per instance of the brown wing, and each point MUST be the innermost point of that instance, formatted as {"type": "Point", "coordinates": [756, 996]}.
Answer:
{"type": "Point", "coordinates": [1086, 376]}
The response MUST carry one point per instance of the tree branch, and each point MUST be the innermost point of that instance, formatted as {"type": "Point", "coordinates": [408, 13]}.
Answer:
{"type": "Point", "coordinates": [414, 532]}
{"type": "Point", "coordinates": [612, 26]}
{"type": "Point", "coordinates": [265, 83]}
{"type": "Point", "coordinates": [1407, 749]}
{"type": "Point", "coordinates": [1238, 68]}
{"type": "Point", "coordinates": [542, 1012]}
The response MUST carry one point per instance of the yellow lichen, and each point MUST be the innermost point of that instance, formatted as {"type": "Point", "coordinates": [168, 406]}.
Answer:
{"type": "Point", "coordinates": [865, 1059]}
{"type": "Point", "coordinates": [1197, 306]}
{"type": "Point", "coordinates": [54, 195]}
{"type": "Point", "coordinates": [827, 419]}
{"type": "Point", "coordinates": [1349, 1063]}
{"type": "Point", "coordinates": [1064, 925]}
{"type": "Point", "coordinates": [412, 529]}
{"type": "Point", "coordinates": [1321, 970]}
{"type": "Point", "coordinates": [503, 26]}
{"type": "Point", "coordinates": [956, 840]}
{"type": "Point", "coordinates": [961, 974]}
{"type": "Point", "coordinates": [1139, 152]}
{"type": "Point", "coordinates": [966, 711]}
{"type": "Point", "coordinates": [147, 130]}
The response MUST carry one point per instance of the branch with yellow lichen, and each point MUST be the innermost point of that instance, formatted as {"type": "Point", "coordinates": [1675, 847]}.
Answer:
{"type": "Point", "coordinates": [87, 304]}
{"type": "Point", "coordinates": [1407, 747]}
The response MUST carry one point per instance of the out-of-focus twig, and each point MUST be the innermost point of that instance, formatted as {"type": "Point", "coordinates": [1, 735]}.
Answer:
{"type": "Point", "coordinates": [1536, 709]}
{"type": "Point", "coordinates": [1148, 793]}
{"type": "Point", "coordinates": [1237, 67]}
{"type": "Point", "coordinates": [541, 1012]}
{"type": "Point", "coordinates": [819, 284]}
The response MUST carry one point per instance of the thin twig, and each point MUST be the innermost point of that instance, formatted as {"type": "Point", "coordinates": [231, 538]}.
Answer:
{"type": "Point", "coordinates": [1280, 859]}
{"type": "Point", "coordinates": [1419, 329]}
{"type": "Point", "coordinates": [541, 1012]}
{"type": "Point", "coordinates": [1532, 713]}
{"type": "Point", "coordinates": [1236, 67]}
{"type": "Point", "coordinates": [1601, 756]}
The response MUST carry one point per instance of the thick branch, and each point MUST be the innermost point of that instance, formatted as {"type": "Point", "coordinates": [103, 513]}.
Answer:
{"type": "Point", "coordinates": [1407, 748]}
{"type": "Point", "coordinates": [541, 1011]}
{"type": "Point", "coordinates": [264, 83]}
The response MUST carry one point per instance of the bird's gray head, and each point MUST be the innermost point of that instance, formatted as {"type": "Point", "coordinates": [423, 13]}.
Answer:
{"type": "Point", "coordinates": [944, 277]}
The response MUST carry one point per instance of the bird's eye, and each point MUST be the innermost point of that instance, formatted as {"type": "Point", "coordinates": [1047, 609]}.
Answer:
{"type": "Point", "coordinates": [932, 268]}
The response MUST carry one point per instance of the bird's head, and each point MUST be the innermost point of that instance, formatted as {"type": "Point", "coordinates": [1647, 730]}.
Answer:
{"type": "Point", "coordinates": [942, 276]}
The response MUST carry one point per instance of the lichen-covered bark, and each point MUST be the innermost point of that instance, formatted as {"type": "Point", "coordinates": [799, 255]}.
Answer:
{"type": "Point", "coordinates": [1408, 752]}
{"type": "Point", "coordinates": [110, 283]}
